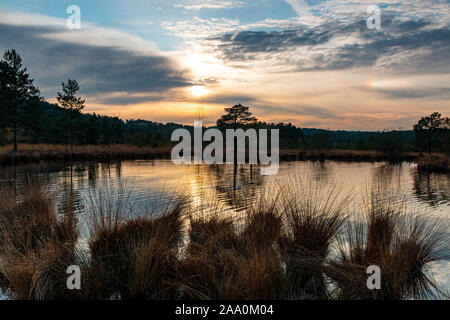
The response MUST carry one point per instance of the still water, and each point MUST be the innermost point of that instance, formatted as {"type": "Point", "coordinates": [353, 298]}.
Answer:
{"type": "Point", "coordinates": [147, 184]}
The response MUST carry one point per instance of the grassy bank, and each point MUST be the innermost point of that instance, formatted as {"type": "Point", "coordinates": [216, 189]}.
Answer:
{"type": "Point", "coordinates": [433, 163]}
{"type": "Point", "coordinates": [306, 245]}
{"type": "Point", "coordinates": [342, 155]}
{"type": "Point", "coordinates": [43, 152]}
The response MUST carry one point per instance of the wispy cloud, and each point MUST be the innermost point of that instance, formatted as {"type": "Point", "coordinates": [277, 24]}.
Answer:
{"type": "Point", "coordinates": [198, 28]}
{"type": "Point", "coordinates": [333, 45]}
{"type": "Point", "coordinates": [208, 4]}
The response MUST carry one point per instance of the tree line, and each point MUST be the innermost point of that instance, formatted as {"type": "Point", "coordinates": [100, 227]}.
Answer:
{"type": "Point", "coordinates": [25, 117]}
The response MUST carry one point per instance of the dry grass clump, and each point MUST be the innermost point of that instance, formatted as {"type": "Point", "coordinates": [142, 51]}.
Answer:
{"type": "Point", "coordinates": [398, 241]}
{"type": "Point", "coordinates": [211, 263]}
{"type": "Point", "coordinates": [133, 258]}
{"type": "Point", "coordinates": [124, 258]}
{"type": "Point", "coordinates": [272, 253]}
{"type": "Point", "coordinates": [314, 217]}
{"type": "Point", "coordinates": [34, 244]}
{"type": "Point", "coordinates": [222, 262]}
{"type": "Point", "coordinates": [263, 275]}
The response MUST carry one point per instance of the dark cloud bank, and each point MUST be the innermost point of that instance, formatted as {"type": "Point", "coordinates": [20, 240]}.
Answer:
{"type": "Point", "coordinates": [99, 69]}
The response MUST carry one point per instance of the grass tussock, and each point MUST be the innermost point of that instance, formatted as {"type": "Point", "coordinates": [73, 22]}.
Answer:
{"type": "Point", "coordinates": [303, 245]}
{"type": "Point", "coordinates": [35, 245]}
{"type": "Point", "coordinates": [226, 259]}
{"type": "Point", "coordinates": [133, 258]}
{"type": "Point", "coordinates": [314, 217]}
{"type": "Point", "coordinates": [397, 240]}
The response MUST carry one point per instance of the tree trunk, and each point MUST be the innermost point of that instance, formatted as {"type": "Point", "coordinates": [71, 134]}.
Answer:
{"type": "Point", "coordinates": [429, 144]}
{"type": "Point", "coordinates": [15, 126]}
{"type": "Point", "coordinates": [15, 137]}
{"type": "Point", "coordinates": [235, 165]}
{"type": "Point", "coordinates": [70, 132]}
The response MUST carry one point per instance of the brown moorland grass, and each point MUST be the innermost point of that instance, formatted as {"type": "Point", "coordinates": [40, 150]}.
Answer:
{"type": "Point", "coordinates": [35, 244]}
{"type": "Point", "coordinates": [222, 262]}
{"type": "Point", "coordinates": [45, 152]}
{"type": "Point", "coordinates": [280, 248]}
{"type": "Point", "coordinates": [341, 155]}
{"type": "Point", "coordinates": [314, 215]}
{"type": "Point", "coordinates": [133, 258]}
{"type": "Point", "coordinates": [434, 163]}
{"type": "Point", "coordinates": [400, 242]}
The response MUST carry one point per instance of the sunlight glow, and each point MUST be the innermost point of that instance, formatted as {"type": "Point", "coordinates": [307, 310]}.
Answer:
{"type": "Point", "coordinates": [198, 91]}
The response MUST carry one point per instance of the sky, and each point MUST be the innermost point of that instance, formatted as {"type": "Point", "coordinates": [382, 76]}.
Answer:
{"type": "Point", "coordinates": [314, 63]}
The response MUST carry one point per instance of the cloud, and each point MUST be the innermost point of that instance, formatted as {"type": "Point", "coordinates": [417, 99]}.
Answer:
{"type": "Point", "coordinates": [126, 98]}
{"type": "Point", "coordinates": [102, 60]}
{"type": "Point", "coordinates": [269, 41]}
{"type": "Point", "coordinates": [208, 4]}
{"type": "Point", "coordinates": [412, 93]}
{"type": "Point", "coordinates": [329, 35]}
{"type": "Point", "coordinates": [227, 99]}
{"type": "Point", "coordinates": [298, 110]}
{"type": "Point", "coordinates": [200, 28]}
{"type": "Point", "coordinates": [333, 45]}
{"type": "Point", "coordinates": [300, 7]}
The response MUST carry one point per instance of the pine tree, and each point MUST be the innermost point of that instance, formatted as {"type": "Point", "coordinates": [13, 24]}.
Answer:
{"type": "Point", "coordinates": [428, 130]}
{"type": "Point", "coordinates": [236, 116]}
{"type": "Point", "coordinates": [72, 105]}
{"type": "Point", "coordinates": [18, 95]}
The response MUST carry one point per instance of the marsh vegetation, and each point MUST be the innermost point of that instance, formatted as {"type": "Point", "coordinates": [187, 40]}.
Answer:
{"type": "Point", "coordinates": [307, 244]}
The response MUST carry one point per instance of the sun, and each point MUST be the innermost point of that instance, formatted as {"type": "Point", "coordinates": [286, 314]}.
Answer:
{"type": "Point", "coordinates": [198, 91]}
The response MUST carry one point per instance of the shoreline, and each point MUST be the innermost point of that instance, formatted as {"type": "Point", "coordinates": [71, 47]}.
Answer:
{"type": "Point", "coordinates": [43, 153]}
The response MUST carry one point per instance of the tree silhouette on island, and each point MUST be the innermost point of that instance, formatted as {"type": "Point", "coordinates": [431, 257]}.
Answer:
{"type": "Point", "coordinates": [71, 103]}
{"type": "Point", "coordinates": [235, 117]}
